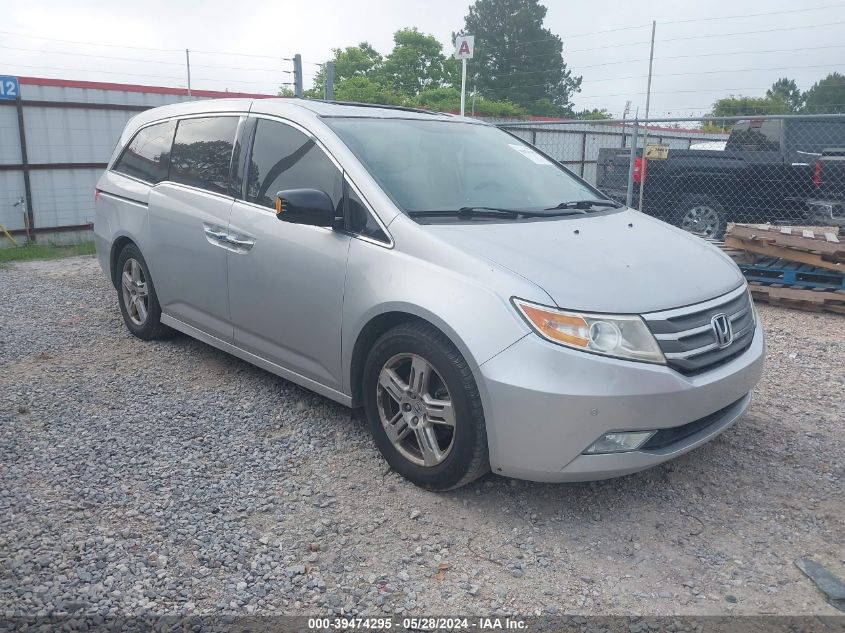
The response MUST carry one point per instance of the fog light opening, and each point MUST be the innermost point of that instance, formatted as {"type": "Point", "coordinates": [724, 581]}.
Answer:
{"type": "Point", "coordinates": [619, 442]}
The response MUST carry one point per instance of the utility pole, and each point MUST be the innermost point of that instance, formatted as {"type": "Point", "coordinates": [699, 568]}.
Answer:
{"type": "Point", "coordinates": [629, 193]}
{"type": "Point", "coordinates": [297, 75]}
{"type": "Point", "coordinates": [647, 102]}
{"type": "Point", "coordinates": [188, 66]}
{"type": "Point", "coordinates": [329, 81]}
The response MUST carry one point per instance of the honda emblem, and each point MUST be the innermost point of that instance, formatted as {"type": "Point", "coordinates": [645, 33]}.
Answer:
{"type": "Point", "coordinates": [723, 330]}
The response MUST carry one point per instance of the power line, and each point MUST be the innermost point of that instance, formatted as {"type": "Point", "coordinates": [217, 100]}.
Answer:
{"type": "Point", "coordinates": [146, 48]}
{"type": "Point", "coordinates": [754, 15]}
{"type": "Point", "coordinates": [665, 92]}
{"type": "Point", "coordinates": [56, 39]}
{"type": "Point", "coordinates": [152, 76]}
{"type": "Point", "coordinates": [144, 61]}
{"type": "Point", "coordinates": [752, 52]}
{"type": "Point", "coordinates": [785, 28]}
{"type": "Point", "coordinates": [711, 72]}
{"type": "Point", "coordinates": [686, 21]}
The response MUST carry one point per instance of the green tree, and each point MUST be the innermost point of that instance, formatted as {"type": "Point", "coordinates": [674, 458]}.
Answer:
{"type": "Point", "coordinates": [365, 90]}
{"type": "Point", "coordinates": [353, 61]}
{"type": "Point", "coordinates": [516, 58]}
{"type": "Point", "coordinates": [448, 99]}
{"type": "Point", "coordinates": [786, 90]}
{"type": "Point", "coordinates": [284, 91]}
{"type": "Point", "coordinates": [743, 106]}
{"type": "Point", "coordinates": [595, 114]}
{"type": "Point", "coordinates": [826, 96]}
{"type": "Point", "coordinates": [416, 63]}
{"type": "Point", "coordinates": [443, 99]}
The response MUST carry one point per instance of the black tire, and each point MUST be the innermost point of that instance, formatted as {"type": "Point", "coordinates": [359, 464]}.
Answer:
{"type": "Point", "coordinates": [151, 327]}
{"type": "Point", "coordinates": [693, 204]}
{"type": "Point", "coordinates": [468, 457]}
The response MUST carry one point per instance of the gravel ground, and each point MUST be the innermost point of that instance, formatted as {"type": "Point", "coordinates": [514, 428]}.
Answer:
{"type": "Point", "coordinates": [168, 477]}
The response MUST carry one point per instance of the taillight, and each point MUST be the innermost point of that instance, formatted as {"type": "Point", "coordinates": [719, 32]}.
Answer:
{"type": "Point", "coordinates": [97, 193]}
{"type": "Point", "coordinates": [817, 174]}
{"type": "Point", "coordinates": [640, 166]}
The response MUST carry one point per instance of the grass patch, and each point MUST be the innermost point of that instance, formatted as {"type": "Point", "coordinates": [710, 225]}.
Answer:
{"type": "Point", "coordinates": [44, 251]}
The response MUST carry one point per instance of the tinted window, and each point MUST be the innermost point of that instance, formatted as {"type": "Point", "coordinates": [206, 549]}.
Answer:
{"type": "Point", "coordinates": [147, 157]}
{"type": "Point", "coordinates": [756, 135]}
{"type": "Point", "coordinates": [202, 152]}
{"type": "Point", "coordinates": [285, 158]}
{"type": "Point", "coordinates": [360, 219]}
{"type": "Point", "coordinates": [815, 136]}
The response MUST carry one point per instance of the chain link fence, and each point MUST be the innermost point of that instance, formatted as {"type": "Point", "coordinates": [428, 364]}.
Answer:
{"type": "Point", "coordinates": [701, 174]}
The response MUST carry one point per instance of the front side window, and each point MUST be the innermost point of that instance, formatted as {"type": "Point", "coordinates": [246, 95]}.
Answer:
{"type": "Point", "coordinates": [426, 165]}
{"type": "Point", "coordinates": [202, 152]}
{"type": "Point", "coordinates": [360, 220]}
{"type": "Point", "coordinates": [285, 158]}
{"type": "Point", "coordinates": [147, 157]}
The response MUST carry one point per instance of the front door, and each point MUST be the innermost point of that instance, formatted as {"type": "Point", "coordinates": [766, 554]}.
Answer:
{"type": "Point", "coordinates": [286, 280]}
{"type": "Point", "coordinates": [189, 217]}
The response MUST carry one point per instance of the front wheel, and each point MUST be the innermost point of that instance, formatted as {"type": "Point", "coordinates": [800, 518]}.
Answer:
{"type": "Point", "coordinates": [423, 408]}
{"type": "Point", "coordinates": [703, 216]}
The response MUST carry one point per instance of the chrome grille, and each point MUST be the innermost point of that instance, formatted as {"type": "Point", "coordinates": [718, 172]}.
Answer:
{"type": "Point", "coordinates": [688, 339]}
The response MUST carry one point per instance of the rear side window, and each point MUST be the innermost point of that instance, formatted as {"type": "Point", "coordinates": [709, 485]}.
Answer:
{"type": "Point", "coordinates": [147, 157]}
{"type": "Point", "coordinates": [756, 135]}
{"type": "Point", "coordinates": [202, 152]}
{"type": "Point", "coordinates": [285, 158]}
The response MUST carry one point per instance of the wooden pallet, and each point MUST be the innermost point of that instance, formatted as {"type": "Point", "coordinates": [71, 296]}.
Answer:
{"type": "Point", "coordinates": [824, 250]}
{"type": "Point", "coordinates": [800, 298]}
{"type": "Point", "coordinates": [762, 247]}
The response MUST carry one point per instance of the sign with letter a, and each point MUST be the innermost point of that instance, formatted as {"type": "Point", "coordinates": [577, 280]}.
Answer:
{"type": "Point", "coordinates": [464, 46]}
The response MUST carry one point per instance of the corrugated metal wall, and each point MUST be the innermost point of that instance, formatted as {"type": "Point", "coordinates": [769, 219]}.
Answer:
{"type": "Point", "coordinates": [67, 144]}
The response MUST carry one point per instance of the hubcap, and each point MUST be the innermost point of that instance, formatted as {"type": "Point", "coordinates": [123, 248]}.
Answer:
{"type": "Point", "coordinates": [415, 409]}
{"type": "Point", "coordinates": [701, 220]}
{"type": "Point", "coordinates": [135, 294]}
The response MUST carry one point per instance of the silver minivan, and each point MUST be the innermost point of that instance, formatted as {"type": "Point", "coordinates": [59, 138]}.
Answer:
{"type": "Point", "coordinates": [487, 308]}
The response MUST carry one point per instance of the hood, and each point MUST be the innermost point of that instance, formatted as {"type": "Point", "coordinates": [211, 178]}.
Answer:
{"type": "Point", "coordinates": [625, 262]}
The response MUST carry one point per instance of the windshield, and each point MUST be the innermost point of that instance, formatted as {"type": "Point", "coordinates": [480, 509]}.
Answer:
{"type": "Point", "coordinates": [438, 165]}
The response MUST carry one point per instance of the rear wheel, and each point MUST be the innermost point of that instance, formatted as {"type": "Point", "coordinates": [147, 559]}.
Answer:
{"type": "Point", "coordinates": [423, 408]}
{"type": "Point", "coordinates": [703, 216]}
{"type": "Point", "coordinates": [137, 295]}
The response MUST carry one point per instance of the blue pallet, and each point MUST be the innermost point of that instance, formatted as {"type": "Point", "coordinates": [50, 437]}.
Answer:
{"type": "Point", "coordinates": [772, 270]}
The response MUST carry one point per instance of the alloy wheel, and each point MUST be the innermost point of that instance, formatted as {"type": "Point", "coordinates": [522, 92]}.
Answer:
{"type": "Point", "coordinates": [135, 291]}
{"type": "Point", "coordinates": [701, 220]}
{"type": "Point", "coordinates": [415, 409]}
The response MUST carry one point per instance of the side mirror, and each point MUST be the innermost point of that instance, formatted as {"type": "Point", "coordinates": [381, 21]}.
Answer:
{"type": "Point", "coordinates": [305, 206]}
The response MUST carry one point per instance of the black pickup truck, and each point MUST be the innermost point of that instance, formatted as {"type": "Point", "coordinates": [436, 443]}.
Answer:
{"type": "Point", "coordinates": [764, 174]}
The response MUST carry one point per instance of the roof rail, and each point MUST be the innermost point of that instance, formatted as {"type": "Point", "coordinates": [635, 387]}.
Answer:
{"type": "Point", "coordinates": [380, 105]}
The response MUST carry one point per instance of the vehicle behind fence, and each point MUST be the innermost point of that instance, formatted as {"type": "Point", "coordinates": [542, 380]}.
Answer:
{"type": "Point", "coordinates": [701, 174]}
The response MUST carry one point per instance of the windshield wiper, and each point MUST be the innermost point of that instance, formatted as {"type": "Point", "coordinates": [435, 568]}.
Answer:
{"type": "Point", "coordinates": [469, 211]}
{"type": "Point", "coordinates": [586, 204]}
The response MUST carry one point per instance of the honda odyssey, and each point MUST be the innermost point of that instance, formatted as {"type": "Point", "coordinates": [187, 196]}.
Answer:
{"type": "Point", "coordinates": [487, 308]}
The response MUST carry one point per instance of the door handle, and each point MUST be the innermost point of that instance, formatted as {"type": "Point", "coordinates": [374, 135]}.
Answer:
{"type": "Point", "coordinates": [247, 243]}
{"type": "Point", "coordinates": [215, 233]}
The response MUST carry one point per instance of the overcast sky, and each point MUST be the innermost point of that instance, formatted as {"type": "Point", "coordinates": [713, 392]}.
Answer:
{"type": "Point", "coordinates": [701, 52]}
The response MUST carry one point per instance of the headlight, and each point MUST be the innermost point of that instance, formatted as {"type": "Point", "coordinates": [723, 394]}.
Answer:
{"type": "Point", "coordinates": [621, 336]}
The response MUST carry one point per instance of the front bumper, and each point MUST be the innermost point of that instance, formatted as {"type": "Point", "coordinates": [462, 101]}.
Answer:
{"type": "Point", "coordinates": [545, 404]}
